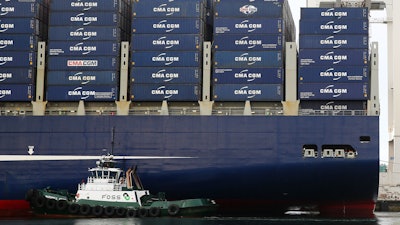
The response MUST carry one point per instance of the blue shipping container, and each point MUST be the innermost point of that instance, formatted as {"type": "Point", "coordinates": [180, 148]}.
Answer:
{"type": "Point", "coordinates": [160, 42]}
{"type": "Point", "coordinates": [167, 8]}
{"type": "Point", "coordinates": [17, 59]}
{"type": "Point", "coordinates": [333, 105]}
{"type": "Point", "coordinates": [77, 78]}
{"type": "Point", "coordinates": [74, 63]}
{"type": "Point", "coordinates": [242, 42]}
{"type": "Point", "coordinates": [84, 48]}
{"type": "Point", "coordinates": [167, 58]}
{"type": "Point", "coordinates": [91, 33]}
{"type": "Point", "coordinates": [321, 27]}
{"type": "Point", "coordinates": [95, 93]}
{"type": "Point", "coordinates": [20, 9]}
{"type": "Point", "coordinates": [88, 5]}
{"type": "Point", "coordinates": [164, 75]}
{"type": "Point", "coordinates": [337, 57]}
{"type": "Point", "coordinates": [329, 91]}
{"type": "Point", "coordinates": [248, 76]}
{"type": "Point", "coordinates": [20, 26]}
{"type": "Point", "coordinates": [333, 41]}
{"type": "Point", "coordinates": [17, 75]}
{"type": "Point", "coordinates": [246, 8]}
{"type": "Point", "coordinates": [153, 92]}
{"type": "Point", "coordinates": [339, 74]}
{"type": "Point", "coordinates": [167, 26]}
{"type": "Point", "coordinates": [251, 92]}
{"type": "Point", "coordinates": [334, 13]}
{"type": "Point", "coordinates": [16, 92]}
{"type": "Point", "coordinates": [248, 26]}
{"type": "Point", "coordinates": [250, 59]}
{"type": "Point", "coordinates": [85, 19]}
{"type": "Point", "coordinates": [18, 42]}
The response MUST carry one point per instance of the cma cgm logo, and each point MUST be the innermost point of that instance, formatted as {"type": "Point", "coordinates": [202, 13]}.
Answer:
{"type": "Point", "coordinates": [83, 94]}
{"type": "Point", "coordinates": [84, 79]}
{"type": "Point", "coordinates": [333, 106]}
{"type": "Point", "coordinates": [248, 9]}
{"type": "Point", "coordinates": [169, 11]}
{"type": "Point", "coordinates": [336, 92]}
{"type": "Point", "coordinates": [331, 13]}
{"type": "Point", "coordinates": [82, 18]}
{"type": "Point", "coordinates": [250, 77]}
{"type": "Point", "coordinates": [336, 59]}
{"type": "Point", "coordinates": [249, 92]}
{"type": "Point", "coordinates": [6, 26]}
{"type": "Point", "coordinates": [163, 58]}
{"type": "Point", "coordinates": [85, 5]}
{"type": "Point", "coordinates": [4, 93]}
{"type": "Point", "coordinates": [249, 26]}
{"type": "Point", "coordinates": [5, 43]}
{"type": "Point", "coordinates": [163, 74]}
{"type": "Point", "coordinates": [167, 43]}
{"type": "Point", "coordinates": [4, 60]}
{"type": "Point", "coordinates": [164, 91]}
{"type": "Point", "coordinates": [85, 63]}
{"type": "Point", "coordinates": [5, 10]}
{"type": "Point", "coordinates": [336, 28]}
{"type": "Point", "coordinates": [80, 32]}
{"type": "Point", "coordinates": [168, 27]}
{"type": "Point", "coordinates": [249, 59]}
{"type": "Point", "coordinates": [336, 75]}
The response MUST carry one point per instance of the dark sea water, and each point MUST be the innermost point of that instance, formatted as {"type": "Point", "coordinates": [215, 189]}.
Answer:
{"type": "Point", "coordinates": [381, 219]}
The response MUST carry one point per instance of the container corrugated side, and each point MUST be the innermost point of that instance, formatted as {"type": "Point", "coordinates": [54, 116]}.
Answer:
{"type": "Point", "coordinates": [167, 26]}
{"type": "Point", "coordinates": [81, 33]}
{"type": "Point", "coordinates": [16, 92]}
{"type": "Point", "coordinates": [89, 5]}
{"type": "Point", "coordinates": [96, 93]}
{"type": "Point", "coordinates": [82, 78]}
{"type": "Point", "coordinates": [84, 48]}
{"type": "Point", "coordinates": [334, 41]}
{"type": "Point", "coordinates": [338, 74]}
{"type": "Point", "coordinates": [160, 42]}
{"type": "Point", "coordinates": [248, 26]}
{"type": "Point", "coordinates": [330, 91]}
{"type": "Point", "coordinates": [166, 58]}
{"type": "Point", "coordinates": [26, 25]}
{"type": "Point", "coordinates": [17, 59]}
{"type": "Point", "coordinates": [250, 59]}
{"type": "Point", "coordinates": [320, 27]}
{"type": "Point", "coordinates": [164, 75]}
{"type": "Point", "coordinates": [333, 105]}
{"type": "Point", "coordinates": [243, 42]}
{"type": "Point", "coordinates": [18, 42]}
{"type": "Point", "coordinates": [74, 63]}
{"type": "Point", "coordinates": [248, 76]}
{"type": "Point", "coordinates": [21, 9]}
{"type": "Point", "coordinates": [21, 75]}
{"type": "Point", "coordinates": [251, 92]}
{"type": "Point", "coordinates": [246, 8]}
{"type": "Point", "coordinates": [60, 18]}
{"type": "Point", "coordinates": [334, 13]}
{"type": "Point", "coordinates": [170, 92]}
{"type": "Point", "coordinates": [164, 8]}
{"type": "Point", "coordinates": [337, 57]}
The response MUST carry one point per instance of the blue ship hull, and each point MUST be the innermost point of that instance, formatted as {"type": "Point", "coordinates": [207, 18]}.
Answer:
{"type": "Point", "coordinates": [246, 163]}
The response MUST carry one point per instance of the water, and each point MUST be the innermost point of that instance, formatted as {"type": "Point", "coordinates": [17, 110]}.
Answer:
{"type": "Point", "coordinates": [381, 219]}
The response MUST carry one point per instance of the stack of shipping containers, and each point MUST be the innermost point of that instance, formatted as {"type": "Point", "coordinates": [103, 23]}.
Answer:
{"type": "Point", "coordinates": [22, 25]}
{"type": "Point", "coordinates": [334, 59]}
{"type": "Point", "coordinates": [166, 50]}
{"type": "Point", "coordinates": [84, 49]}
{"type": "Point", "coordinates": [248, 47]}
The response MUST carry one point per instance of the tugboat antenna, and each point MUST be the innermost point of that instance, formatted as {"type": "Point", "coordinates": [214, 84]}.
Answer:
{"type": "Point", "coordinates": [112, 140]}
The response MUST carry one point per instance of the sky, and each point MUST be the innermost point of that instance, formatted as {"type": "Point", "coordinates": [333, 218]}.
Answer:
{"type": "Point", "coordinates": [378, 33]}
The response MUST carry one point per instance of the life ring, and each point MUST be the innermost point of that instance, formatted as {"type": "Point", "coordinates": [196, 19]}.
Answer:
{"type": "Point", "coordinates": [84, 209]}
{"type": "Point", "coordinates": [61, 205]}
{"type": "Point", "coordinates": [173, 210]}
{"type": "Point", "coordinates": [154, 212]}
{"type": "Point", "coordinates": [73, 208]}
{"type": "Point", "coordinates": [97, 210]}
{"type": "Point", "coordinates": [120, 212]}
{"type": "Point", "coordinates": [109, 211]}
{"type": "Point", "coordinates": [143, 212]}
{"type": "Point", "coordinates": [51, 203]}
{"type": "Point", "coordinates": [131, 213]}
{"type": "Point", "coordinates": [39, 201]}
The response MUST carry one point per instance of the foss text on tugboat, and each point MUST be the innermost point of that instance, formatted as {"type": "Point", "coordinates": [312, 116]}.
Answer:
{"type": "Point", "coordinates": [111, 192]}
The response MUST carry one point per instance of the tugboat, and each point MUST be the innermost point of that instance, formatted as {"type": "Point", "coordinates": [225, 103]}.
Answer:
{"type": "Point", "coordinates": [111, 192]}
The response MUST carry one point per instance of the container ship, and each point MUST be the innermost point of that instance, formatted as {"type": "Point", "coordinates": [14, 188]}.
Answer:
{"type": "Point", "coordinates": [213, 98]}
